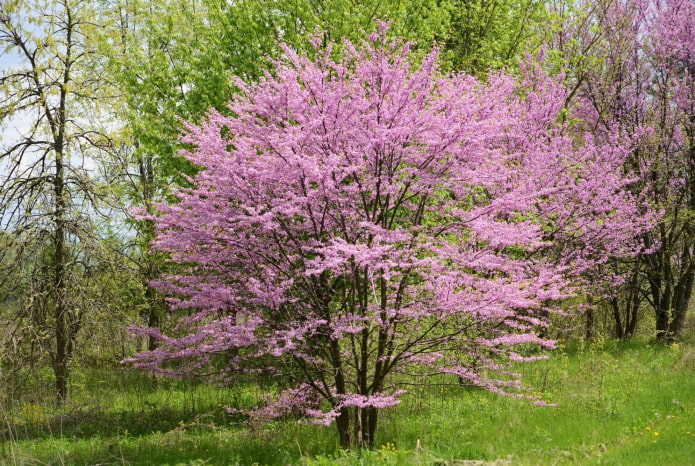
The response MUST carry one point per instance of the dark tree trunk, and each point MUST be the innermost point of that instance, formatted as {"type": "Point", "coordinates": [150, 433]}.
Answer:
{"type": "Point", "coordinates": [64, 332]}
{"type": "Point", "coordinates": [590, 324]}
{"type": "Point", "coordinates": [659, 285]}
{"type": "Point", "coordinates": [615, 307]}
{"type": "Point", "coordinates": [62, 335]}
{"type": "Point", "coordinates": [662, 324]}
{"type": "Point", "coordinates": [371, 416]}
{"type": "Point", "coordinates": [153, 320]}
{"type": "Point", "coordinates": [343, 424]}
{"type": "Point", "coordinates": [682, 301]}
{"type": "Point", "coordinates": [151, 271]}
{"type": "Point", "coordinates": [670, 315]}
{"type": "Point", "coordinates": [626, 320]}
{"type": "Point", "coordinates": [357, 427]}
{"type": "Point", "coordinates": [343, 420]}
{"type": "Point", "coordinates": [634, 302]}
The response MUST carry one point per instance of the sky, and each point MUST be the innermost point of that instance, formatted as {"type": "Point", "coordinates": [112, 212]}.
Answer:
{"type": "Point", "coordinates": [21, 123]}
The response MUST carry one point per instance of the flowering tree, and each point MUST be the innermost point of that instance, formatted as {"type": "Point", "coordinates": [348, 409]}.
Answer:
{"type": "Point", "coordinates": [660, 87]}
{"type": "Point", "coordinates": [361, 223]}
{"type": "Point", "coordinates": [637, 75]}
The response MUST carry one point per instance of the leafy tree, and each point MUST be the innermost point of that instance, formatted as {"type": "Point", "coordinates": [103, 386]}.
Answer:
{"type": "Point", "coordinates": [361, 223]}
{"type": "Point", "coordinates": [176, 60]}
{"type": "Point", "coordinates": [492, 34]}
{"type": "Point", "coordinates": [49, 195]}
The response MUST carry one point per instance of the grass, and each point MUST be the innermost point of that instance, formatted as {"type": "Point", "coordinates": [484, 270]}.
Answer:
{"type": "Point", "coordinates": [618, 403]}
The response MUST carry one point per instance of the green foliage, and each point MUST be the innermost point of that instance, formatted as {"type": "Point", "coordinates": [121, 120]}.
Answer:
{"type": "Point", "coordinates": [177, 60]}
{"type": "Point", "coordinates": [493, 34]}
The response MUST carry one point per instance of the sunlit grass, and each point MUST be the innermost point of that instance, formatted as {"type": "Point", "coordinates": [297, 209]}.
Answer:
{"type": "Point", "coordinates": [617, 403]}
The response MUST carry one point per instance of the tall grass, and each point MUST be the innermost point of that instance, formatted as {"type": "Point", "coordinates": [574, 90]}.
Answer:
{"type": "Point", "coordinates": [611, 401]}
{"type": "Point", "coordinates": [617, 403]}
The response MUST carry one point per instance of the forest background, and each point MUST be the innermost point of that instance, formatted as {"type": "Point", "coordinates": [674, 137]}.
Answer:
{"type": "Point", "coordinates": [94, 95]}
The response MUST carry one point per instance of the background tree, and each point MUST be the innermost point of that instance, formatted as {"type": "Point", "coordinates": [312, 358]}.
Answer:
{"type": "Point", "coordinates": [493, 34]}
{"type": "Point", "coordinates": [631, 65]}
{"type": "Point", "coordinates": [50, 192]}
{"type": "Point", "coordinates": [354, 220]}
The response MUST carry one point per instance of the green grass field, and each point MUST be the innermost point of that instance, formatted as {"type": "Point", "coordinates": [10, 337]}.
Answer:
{"type": "Point", "coordinates": [627, 403]}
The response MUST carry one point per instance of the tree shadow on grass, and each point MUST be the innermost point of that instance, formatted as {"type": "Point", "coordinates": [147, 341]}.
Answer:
{"type": "Point", "coordinates": [91, 422]}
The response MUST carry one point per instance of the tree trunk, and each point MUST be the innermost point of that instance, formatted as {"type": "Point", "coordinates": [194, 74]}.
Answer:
{"type": "Point", "coordinates": [682, 301]}
{"type": "Point", "coordinates": [62, 336]}
{"type": "Point", "coordinates": [371, 415]}
{"type": "Point", "coordinates": [58, 122]}
{"type": "Point", "coordinates": [626, 321]}
{"type": "Point", "coordinates": [670, 321]}
{"type": "Point", "coordinates": [661, 295]}
{"type": "Point", "coordinates": [632, 315]}
{"type": "Point", "coordinates": [342, 422]}
{"type": "Point", "coordinates": [615, 307]}
{"type": "Point", "coordinates": [360, 433]}
{"type": "Point", "coordinates": [662, 324]}
{"type": "Point", "coordinates": [590, 324]}
{"type": "Point", "coordinates": [153, 320]}
{"type": "Point", "coordinates": [151, 272]}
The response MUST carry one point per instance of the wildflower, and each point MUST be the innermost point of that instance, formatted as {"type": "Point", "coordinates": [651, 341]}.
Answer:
{"type": "Point", "coordinates": [656, 433]}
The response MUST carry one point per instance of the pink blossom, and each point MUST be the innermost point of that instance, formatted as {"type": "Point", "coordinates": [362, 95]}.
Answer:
{"type": "Point", "coordinates": [360, 217]}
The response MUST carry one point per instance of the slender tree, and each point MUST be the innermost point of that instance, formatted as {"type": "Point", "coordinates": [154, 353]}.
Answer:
{"type": "Point", "coordinates": [47, 192]}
